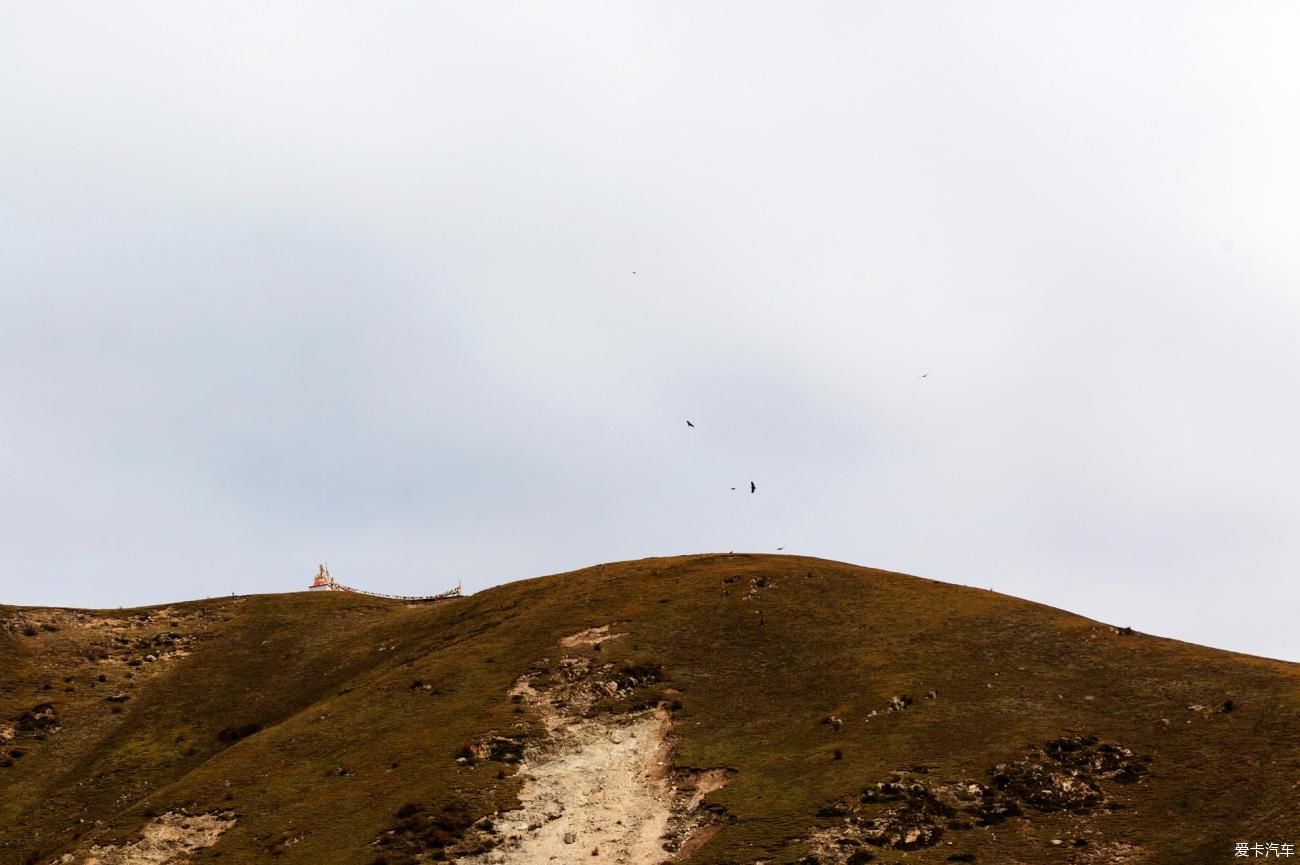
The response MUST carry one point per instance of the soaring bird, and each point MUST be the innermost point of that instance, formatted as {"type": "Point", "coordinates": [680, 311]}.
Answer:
{"type": "Point", "coordinates": [752, 487]}
{"type": "Point", "coordinates": [691, 425]}
{"type": "Point", "coordinates": [780, 548]}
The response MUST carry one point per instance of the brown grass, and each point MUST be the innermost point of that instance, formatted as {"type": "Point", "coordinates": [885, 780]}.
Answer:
{"type": "Point", "coordinates": [756, 651]}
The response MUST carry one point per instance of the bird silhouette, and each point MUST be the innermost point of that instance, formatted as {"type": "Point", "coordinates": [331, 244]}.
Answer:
{"type": "Point", "coordinates": [752, 487]}
{"type": "Point", "coordinates": [733, 488]}
{"type": "Point", "coordinates": [691, 425]}
{"type": "Point", "coordinates": [780, 548]}
{"type": "Point", "coordinates": [924, 375]}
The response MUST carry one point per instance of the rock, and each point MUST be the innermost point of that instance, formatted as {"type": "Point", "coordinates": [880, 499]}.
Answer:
{"type": "Point", "coordinates": [1104, 759]}
{"type": "Point", "coordinates": [931, 694]}
{"type": "Point", "coordinates": [569, 837]}
{"type": "Point", "coordinates": [1045, 787]}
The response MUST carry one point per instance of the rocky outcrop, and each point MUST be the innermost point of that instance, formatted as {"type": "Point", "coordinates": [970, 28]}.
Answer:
{"type": "Point", "coordinates": [912, 810]}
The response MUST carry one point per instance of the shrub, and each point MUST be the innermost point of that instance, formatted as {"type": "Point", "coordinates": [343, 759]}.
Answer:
{"type": "Point", "coordinates": [234, 734]}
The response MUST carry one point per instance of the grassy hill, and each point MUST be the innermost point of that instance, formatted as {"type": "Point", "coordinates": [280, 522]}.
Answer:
{"type": "Point", "coordinates": [737, 708]}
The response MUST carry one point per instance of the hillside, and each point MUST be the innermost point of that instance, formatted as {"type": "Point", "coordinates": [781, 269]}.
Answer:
{"type": "Point", "coordinates": [714, 708]}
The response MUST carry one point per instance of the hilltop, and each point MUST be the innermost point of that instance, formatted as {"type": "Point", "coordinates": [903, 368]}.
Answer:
{"type": "Point", "coordinates": [710, 709]}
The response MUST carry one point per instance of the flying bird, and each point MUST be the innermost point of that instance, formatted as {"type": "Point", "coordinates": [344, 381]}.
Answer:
{"type": "Point", "coordinates": [752, 487]}
{"type": "Point", "coordinates": [691, 425]}
{"type": "Point", "coordinates": [924, 375]}
{"type": "Point", "coordinates": [780, 548]}
{"type": "Point", "coordinates": [733, 488]}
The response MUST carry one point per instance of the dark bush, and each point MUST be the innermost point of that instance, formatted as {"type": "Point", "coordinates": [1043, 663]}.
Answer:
{"type": "Point", "coordinates": [634, 675]}
{"type": "Point", "coordinates": [38, 717]}
{"type": "Point", "coordinates": [234, 734]}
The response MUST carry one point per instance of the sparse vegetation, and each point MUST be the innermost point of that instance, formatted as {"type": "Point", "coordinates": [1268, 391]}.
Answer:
{"type": "Point", "coordinates": [301, 671]}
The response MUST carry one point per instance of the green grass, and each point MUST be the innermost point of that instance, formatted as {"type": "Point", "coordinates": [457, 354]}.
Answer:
{"type": "Point", "coordinates": [756, 678]}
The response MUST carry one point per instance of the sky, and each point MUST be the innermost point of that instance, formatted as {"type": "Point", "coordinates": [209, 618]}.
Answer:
{"type": "Point", "coordinates": [1000, 294]}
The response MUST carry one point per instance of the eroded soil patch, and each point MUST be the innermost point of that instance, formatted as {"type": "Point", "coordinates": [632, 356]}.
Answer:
{"type": "Point", "coordinates": [168, 839]}
{"type": "Point", "coordinates": [598, 785]}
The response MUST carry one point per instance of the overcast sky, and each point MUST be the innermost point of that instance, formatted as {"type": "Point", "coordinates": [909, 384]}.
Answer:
{"type": "Point", "coordinates": [429, 290]}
